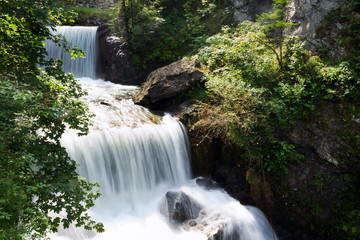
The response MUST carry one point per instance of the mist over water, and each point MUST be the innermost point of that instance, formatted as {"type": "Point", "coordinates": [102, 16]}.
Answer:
{"type": "Point", "coordinates": [137, 157]}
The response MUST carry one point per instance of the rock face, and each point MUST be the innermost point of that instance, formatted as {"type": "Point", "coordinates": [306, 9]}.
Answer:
{"type": "Point", "coordinates": [116, 63]}
{"type": "Point", "coordinates": [321, 188]}
{"type": "Point", "coordinates": [308, 14]}
{"type": "Point", "coordinates": [248, 9]}
{"type": "Point", "coordinates": [168, 82]}
{"type": "Point", "coordinates": [326, 134]}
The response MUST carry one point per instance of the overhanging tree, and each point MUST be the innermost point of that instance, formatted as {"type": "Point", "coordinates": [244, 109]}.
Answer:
{"type": "Point", "coordinates": [37, 104]}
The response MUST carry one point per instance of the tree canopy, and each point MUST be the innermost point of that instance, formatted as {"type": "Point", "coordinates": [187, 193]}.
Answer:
{"type": "Point", "coordinates": [37, 178]}
{"type": "Point", "coordinates": [162, 31]}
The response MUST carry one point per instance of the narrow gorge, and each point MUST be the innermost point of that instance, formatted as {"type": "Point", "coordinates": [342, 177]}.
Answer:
{"type": "Point", "coordinates": [142, 163]}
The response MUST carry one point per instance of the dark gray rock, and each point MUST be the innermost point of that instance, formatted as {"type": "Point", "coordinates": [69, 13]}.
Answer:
{"type": "Point", "coordinates": [207, 183]}
{"type": "Point", "coordinates": [115, 62]}
{"type": "Point", "coordinates": [181, 207]}
{"type": "Point", "coordinates": [168, 82]}
{"type": "Point", "coordinates": [326, 133]}
{"type": "Point", "coordinates": [249, 9]}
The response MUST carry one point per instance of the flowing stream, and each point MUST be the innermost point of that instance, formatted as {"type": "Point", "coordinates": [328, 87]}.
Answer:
{"type": "Point", "coordinates": [140, 160]}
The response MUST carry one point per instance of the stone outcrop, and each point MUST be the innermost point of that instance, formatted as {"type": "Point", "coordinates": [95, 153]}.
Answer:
{"type": "Point", "coordinates": [308, 14]}
{"type": "Point", "coordinates": [248, 9]}
{"type": "Point", "coordinates": [169, 82]}
{"type": "Point", "coordinates": [326, 135]}
{"type": "Point", "coordinates": [320, 188]}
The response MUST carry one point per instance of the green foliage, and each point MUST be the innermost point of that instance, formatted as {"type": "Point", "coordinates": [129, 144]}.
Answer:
{"type": "Point", "coordinates": [274, 22]}
{"type": "Point", "coordinates": [163, 31]}
{"type": "Point", "coordinates": [273, 25]}
{"type": "Point", "coordinates": [37, 178]}
{"type": "Point", "coordinates": [256, 90]}
{"type": "Point", "coordinates": [197, 92]}
{"type": "Point", "coordinates": [279, 154]}
{"type": "Point", "coordinates": [260, 82]}
{"type": "Point", "coordinates": [84, 13]}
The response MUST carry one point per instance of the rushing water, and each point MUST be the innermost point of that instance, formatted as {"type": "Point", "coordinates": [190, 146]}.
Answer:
{"type": "Point", "coordinates": [83, 38]}
{"type": "Point", "coordinates": [137, 157]}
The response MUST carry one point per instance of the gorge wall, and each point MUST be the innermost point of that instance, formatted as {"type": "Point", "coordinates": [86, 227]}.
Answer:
{"type": "Point", "coordinates": [306, 14]}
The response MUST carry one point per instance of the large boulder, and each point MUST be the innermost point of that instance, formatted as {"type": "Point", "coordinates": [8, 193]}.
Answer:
{"type": "Point", "coordinates": [186, 213]}
{"type": "Point", "coordinates": [180, 207]}
{"type": "Point", "coordinates": [169, 82]}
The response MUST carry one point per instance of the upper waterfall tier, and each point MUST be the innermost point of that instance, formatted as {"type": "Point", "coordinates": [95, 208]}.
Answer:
{"type": "Point", "coordinates": [83, 38]}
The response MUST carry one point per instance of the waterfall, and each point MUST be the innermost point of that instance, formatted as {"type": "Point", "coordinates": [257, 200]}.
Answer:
{"type": "Point", "coordinates": [141, 160]}
{"type": "Point", "coordinates": [82, 38]}
{"type": "Point", "coordinates": [132, 164]}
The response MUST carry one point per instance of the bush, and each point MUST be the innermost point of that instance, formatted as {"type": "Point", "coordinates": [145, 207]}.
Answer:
{"type": "Point", "coordinates": [254, 95]}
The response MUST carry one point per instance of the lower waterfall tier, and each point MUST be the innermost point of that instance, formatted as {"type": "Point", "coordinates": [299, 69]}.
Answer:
{"type": "Point", "coordinates": [142, 163]}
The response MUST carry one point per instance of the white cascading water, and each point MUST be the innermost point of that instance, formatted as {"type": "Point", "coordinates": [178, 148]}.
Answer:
{"type": "Point", "coordinates": [83, 38]}
{"type": "Point", "coordinates": [137, 157]}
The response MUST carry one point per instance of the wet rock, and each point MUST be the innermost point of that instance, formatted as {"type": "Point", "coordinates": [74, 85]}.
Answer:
{"type": "Point", "coordinates": [181, 207]}
{"type": "Point", "coordinates": [213, 226]}
{"type": "Point", "coordinates": [105, 103]}
{"type": "Point", "coordinates": [192, 223]}
{"type": "Point", "coordinates": [207, 183]}
{"type": "Point", "coordinates": [165, 84]}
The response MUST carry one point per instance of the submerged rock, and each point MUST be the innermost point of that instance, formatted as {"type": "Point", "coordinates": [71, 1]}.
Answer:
{"type": "Point", "coordinates": [165, 84]}
{"type": "Point", "coordinates": [181, 207]}
{"type": "Point", "coordinates": [207, 183]}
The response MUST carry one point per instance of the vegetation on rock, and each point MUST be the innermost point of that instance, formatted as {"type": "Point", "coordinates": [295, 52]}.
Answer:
{"type": "Point", "coordinates": [39, 187]}
{"type": "Point", "coordinates": [260, 82]}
